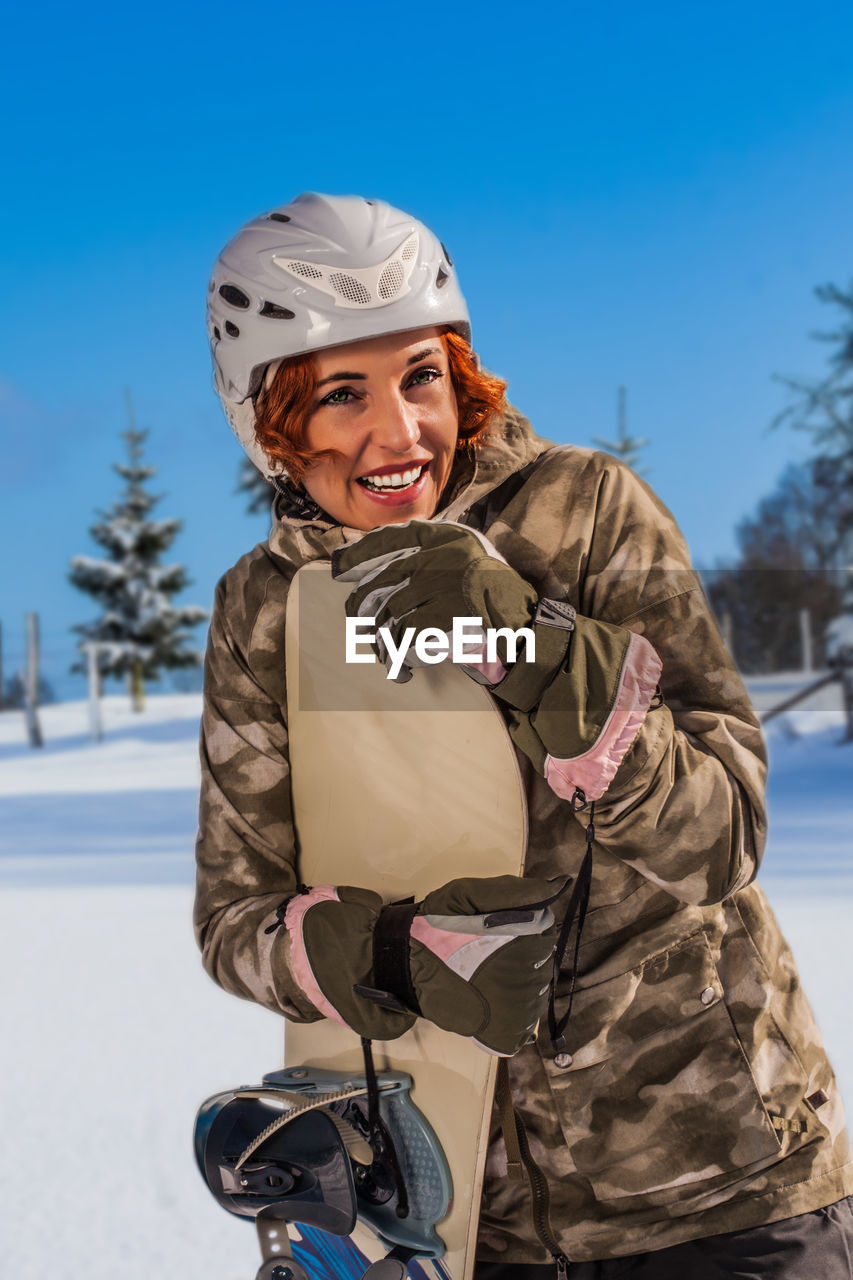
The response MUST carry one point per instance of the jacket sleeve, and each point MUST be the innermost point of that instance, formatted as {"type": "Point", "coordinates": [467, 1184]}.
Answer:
{"type": "Point", "coordinates": [681, 797]}
{"type": "Point", "coordinates": [245, 853]}
{"type": "Point", "coordinates": [686, 807]}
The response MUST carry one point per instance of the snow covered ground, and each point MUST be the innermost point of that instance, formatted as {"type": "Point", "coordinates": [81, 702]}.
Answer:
{"type": "Point", "coordinates": [111, 1033]}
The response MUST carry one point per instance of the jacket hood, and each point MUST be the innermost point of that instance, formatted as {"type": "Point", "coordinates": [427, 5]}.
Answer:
{"type": "Point", "coordinates": [508, 444]}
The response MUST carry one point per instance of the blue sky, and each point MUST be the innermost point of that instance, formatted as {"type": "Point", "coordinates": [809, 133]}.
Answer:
{"type": "Point", "coordinates": [638, 195]}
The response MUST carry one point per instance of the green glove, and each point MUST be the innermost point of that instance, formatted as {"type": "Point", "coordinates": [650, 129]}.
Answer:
{"type": "Point", "coordinates": [475, 958]}
{"type": "Point", "coordinates": [575, 708]}
{"type": "Point", "coordinates": [425, 574]}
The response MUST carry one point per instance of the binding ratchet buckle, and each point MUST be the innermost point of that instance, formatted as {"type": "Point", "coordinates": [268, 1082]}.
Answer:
{"type": "Point", "coordinates": [307, 1156]}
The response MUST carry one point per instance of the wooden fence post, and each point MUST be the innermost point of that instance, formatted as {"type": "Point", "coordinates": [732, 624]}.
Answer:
{"type": "Point", "coordinates": [95, 722]}
{"type": "Point", "coordinates": [31, 682]}
{"type": "Point", "coordinates": [806, 640]}
{"type": "Point", "coordinates": [727, 629]}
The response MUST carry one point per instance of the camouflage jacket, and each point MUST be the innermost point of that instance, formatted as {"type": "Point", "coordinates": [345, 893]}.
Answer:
{"type": "Point", "coordinates": [695, 1097]}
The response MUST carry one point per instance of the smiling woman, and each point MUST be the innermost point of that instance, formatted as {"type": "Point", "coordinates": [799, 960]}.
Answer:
{"type": "Point", "coordinates": [388, 429]}
{"type": "Point", "coordinates": [385, 415]}
{"type": "Point", "coordinates": [684, 1120]}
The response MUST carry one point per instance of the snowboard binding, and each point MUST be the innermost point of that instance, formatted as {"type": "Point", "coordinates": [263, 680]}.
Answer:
{"type": "Point", "coordinates": [323, 1151]}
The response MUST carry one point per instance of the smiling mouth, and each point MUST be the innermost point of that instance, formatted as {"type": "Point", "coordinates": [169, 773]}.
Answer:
{"type": "Point", "coordinates": [393, 482]}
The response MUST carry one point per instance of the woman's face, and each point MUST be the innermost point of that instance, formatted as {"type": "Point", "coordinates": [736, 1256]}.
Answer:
{"type": "Point", "coordinates": [388, 408]}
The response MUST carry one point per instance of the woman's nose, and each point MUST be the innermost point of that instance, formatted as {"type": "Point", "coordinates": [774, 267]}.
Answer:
{"type": "Point", "coordinates": [396, 424]}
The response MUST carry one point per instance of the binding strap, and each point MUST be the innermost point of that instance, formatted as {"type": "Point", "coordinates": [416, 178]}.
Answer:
{"type": "Point", "coordinates": [379, 1134]}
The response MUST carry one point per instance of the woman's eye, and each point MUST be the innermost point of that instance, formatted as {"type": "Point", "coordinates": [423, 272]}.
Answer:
{"type": "Point", "coordinates": [421, 377]}
{"type": "Point", "coordinates": [341, 395]}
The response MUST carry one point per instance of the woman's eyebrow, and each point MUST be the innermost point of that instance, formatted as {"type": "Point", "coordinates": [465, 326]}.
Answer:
{"type": "Point", "coordinates": [422, 355]}
{"type": "Point", "coordinates": [337, 377]}
{"type": "Point", "coordinates": [348, 376]}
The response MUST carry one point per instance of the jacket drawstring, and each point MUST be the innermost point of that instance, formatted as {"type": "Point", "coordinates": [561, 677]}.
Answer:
{"type": "Point", "coordinates": [576, 910]}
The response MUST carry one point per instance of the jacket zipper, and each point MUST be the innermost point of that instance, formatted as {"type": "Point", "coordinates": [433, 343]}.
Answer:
{"type": "Point", "coordinates": [541, 1203]}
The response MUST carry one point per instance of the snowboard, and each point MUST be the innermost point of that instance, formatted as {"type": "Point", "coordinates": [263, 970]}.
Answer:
{"type": "Point", "coordinates": [397, 787]}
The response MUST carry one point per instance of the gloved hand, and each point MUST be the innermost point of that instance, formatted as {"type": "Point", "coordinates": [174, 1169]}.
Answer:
{"type": "Point", "coordinates": [473, 958]}
{"type": "Point", "coordinates": [576, 708]}
{"type": "Point", "coordinates": [424, 574]}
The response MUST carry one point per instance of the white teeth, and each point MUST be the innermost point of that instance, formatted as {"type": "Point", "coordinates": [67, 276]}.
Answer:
{"type": "Point", "coordinates": [397, 480]}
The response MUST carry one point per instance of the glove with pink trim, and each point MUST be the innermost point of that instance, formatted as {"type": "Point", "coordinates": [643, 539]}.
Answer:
{"type": "Point", "coordinates": [474, 958]}
{"type": "Point", "coordinates": [574, 710]}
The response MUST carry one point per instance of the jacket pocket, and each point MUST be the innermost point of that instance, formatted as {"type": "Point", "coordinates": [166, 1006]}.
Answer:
{"type": "Point", "coordinates": [658, 1100]}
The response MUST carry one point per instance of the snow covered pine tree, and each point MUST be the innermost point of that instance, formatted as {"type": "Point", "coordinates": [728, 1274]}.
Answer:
{"type": "Point", "coordinates": [140, 632]}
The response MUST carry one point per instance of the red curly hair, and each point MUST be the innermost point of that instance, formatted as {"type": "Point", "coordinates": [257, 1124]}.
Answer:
{"type": "Point", "coordinates": [282, 410]}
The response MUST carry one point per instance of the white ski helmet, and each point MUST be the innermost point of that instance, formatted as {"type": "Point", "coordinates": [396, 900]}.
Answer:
{"type": "Point", "coordinates": [315, 273]}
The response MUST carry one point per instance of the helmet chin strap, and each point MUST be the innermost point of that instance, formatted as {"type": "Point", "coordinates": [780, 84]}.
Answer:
{"type": "Point", "coordinates": [299, 502]}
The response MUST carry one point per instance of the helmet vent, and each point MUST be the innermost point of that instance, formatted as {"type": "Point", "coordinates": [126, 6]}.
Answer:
{"type": "Point", "coordinates": [276, 312]}
{"type": "Point", "coordinates": [306, 269]}
{"type": "Point", "coordinates": [446, 254]}
{"type": "Point", "coordinates": [217, 335]}
{"type": "Point", "coordinates": [235, 296]}
{"type": "Point", "coordinates": [357, 287]}
{"type": "Point", "coordinates": [441, 278]}
{"type": "Point", "coordinates": [231, 329]}
{"type": "Point", "coordinates": [348, 287]}
{"type": "Point", "coordinates": [279, 217]}
{"type": "Point", "coordinates": [391, 280]}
